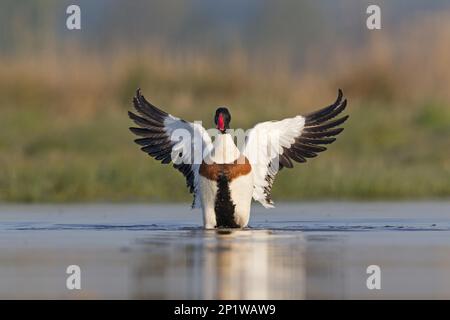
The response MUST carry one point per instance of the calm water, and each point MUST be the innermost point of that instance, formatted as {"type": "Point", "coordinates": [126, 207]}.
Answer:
{"type": "Point", "coordinates": [299, 251]}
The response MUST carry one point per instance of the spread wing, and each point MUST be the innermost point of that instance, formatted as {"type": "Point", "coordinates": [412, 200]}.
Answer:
{"type": "Point", "coordinates": [171, 140]}
{"type": "Point", "coordinates": [273, 145]}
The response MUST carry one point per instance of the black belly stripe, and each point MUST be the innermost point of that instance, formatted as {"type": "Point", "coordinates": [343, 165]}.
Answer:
{"type": "Point", "coordinates": [223, 205]}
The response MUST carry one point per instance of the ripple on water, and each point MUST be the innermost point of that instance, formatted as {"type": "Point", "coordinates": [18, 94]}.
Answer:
{"type": "Point", "coordinates": [280, 226]}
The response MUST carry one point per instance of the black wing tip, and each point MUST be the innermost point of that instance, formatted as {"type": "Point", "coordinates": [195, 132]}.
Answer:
{"type": "Point", "coordinates": [139, 97]}
{"type": "Point", "coordinates": [134, 130]}
{"type": "Point", "coordinates": [142, 104]}
{"type": "Point", "coordinates": [344, 104]}
{"type": "Point", "coordinates": [131, 115]}
{"type": "Point", "coordinates": [319, 130]}
{"type": "Point", "coordinates": [340, 96]}
{"type": "Point", "coordinates": [140, 141]}
{"type": "Point", "coordinates": [328, 112]}
{"type": "Point", "coordinates": [342, 119]}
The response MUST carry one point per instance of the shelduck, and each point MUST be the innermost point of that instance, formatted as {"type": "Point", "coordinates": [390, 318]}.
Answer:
{"type": "Point", "coordinates": [222, 176]}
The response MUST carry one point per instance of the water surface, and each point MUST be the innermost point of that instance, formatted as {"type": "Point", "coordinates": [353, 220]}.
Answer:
{"type": "Point", "coordinates": [295, 251]}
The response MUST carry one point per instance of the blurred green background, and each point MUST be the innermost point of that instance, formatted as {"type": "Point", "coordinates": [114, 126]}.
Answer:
{"type": "Point", "coordinates": [64, 94]}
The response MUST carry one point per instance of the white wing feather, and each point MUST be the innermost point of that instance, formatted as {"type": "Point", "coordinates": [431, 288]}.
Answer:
{"type": "Point", "coordinates": [192, 147]}
{"type": "Point", "coordinates": [264, 145]}
{"type": "Point", "coordinates": [273, 144]}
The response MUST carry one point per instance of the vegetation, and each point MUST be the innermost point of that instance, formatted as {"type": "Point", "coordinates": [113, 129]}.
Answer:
{"type": "Point", "coordinates": [64, 129]}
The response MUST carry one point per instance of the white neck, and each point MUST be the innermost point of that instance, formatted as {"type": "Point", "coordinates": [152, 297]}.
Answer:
{"type": "Point", "coordinates": [224, 150]}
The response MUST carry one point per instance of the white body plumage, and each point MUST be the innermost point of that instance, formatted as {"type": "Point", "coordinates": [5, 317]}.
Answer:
{"type": "Point", "coordinates": [240, 187]}
{"type": "Point", "coordinates": [226, 179]}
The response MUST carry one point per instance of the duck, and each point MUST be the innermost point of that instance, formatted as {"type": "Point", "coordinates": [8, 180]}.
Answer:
{"type": "Point", "coordinates": [225, 176]}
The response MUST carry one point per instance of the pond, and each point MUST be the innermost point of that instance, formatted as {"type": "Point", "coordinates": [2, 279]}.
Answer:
{"type": "Point", "coordinates": [295, 251]}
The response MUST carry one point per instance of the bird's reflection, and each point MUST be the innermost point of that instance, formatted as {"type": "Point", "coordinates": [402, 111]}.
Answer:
{"type": "Point", "coordinates": [221, 264]}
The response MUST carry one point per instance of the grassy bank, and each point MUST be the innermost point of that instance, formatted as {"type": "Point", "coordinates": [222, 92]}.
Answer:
{"type": "Point", "coordinates": [64, 129]}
